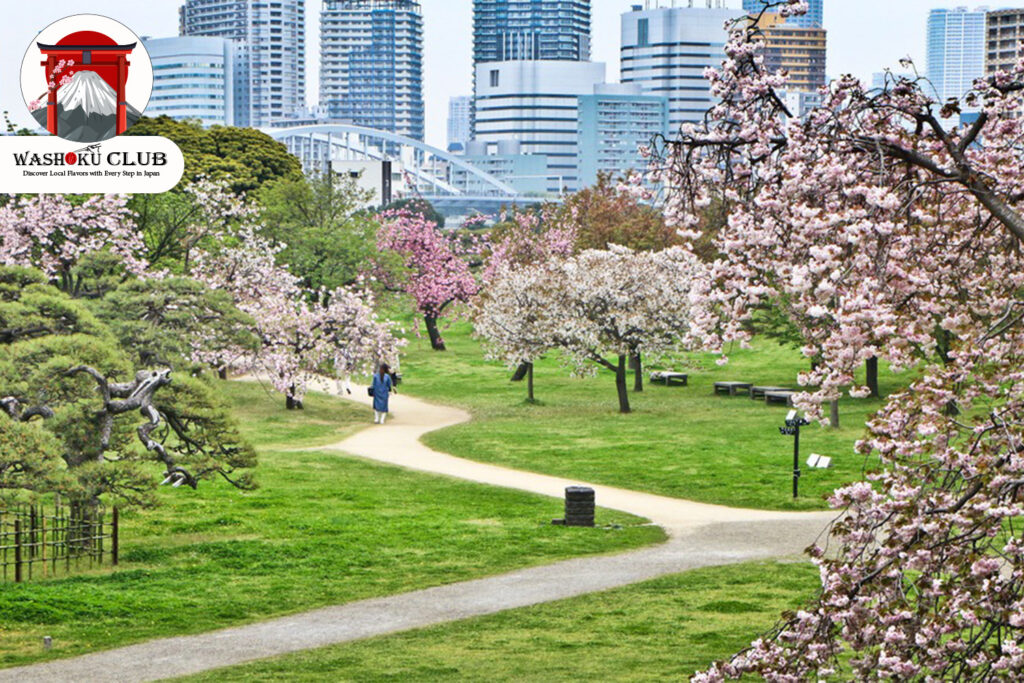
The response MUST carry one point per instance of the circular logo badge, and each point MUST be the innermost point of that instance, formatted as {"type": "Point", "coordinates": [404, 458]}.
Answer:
{"type": "Point", "coordinates": [86, 78]}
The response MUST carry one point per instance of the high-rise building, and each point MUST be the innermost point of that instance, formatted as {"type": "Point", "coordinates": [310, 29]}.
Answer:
{"type": "Point", "coordinates": [528, 30]}
{"type": "Point", "coordinates": [798, 50]}
{"type": "Point", "coordinates": [551, 30]}
{"type": "Point", "coordinates": [537, 104]}
{"type": "Point", "coordinates": [1004, 32]}
{"type": "Point", "coordinates": [815, 17]}
{"type": "Point", "coordinates": [371, 64]}
{"type": "Point", "coordinates": [193, 78]}
{"type": "Point", "coordinates": [956, 50]}
{"type": "Point", "coordinates": [270, 54]}
{"type": "Point", "coordinates": [615, 122]}
{"type": "Point", "coordinates": [459, 122]}
{"type": "Point", "coordinates": [665, 51]}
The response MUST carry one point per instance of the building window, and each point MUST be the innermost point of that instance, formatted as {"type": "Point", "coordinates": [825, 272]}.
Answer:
{"type": "Point", "coordinates": [643, 30]}
{"type": "Point", "coordinates": [494, 78]}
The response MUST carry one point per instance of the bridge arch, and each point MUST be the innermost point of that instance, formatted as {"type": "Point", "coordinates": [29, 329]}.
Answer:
{"type": "Point", "coordinates": [500, 188]}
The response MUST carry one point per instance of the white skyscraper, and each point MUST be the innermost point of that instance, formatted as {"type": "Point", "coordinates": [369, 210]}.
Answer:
{"type": "Point", "coordinates": [460, 112]}
{"type": "Point", "coordinates": [665, 51]}
{"type": "Point", "coordinates": [270, 53]}
{"type": "Point", "coordinates": [536, 104]}
{"type": "Point", "coordinates": [956, 50]}
{"type": "Point", "coordinates": [193, 78]}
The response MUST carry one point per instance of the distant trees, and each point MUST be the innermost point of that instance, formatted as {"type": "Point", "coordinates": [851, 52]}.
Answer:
{"type": "Point", "coordinates": [610, 212]}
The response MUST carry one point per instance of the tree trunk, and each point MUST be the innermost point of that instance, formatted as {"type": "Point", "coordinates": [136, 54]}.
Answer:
{"type": "Point", "coordinates": [291, 403]}
{"type": "Point", "coordinates": [222, 373]}
{"type": "Point", "coordinates": [435, 334]}
{"type": "Point", "coordinates": [620, 385]}
{"type": "Point", "coordinates": [521, 372]}
{"type": "Point", "coordinates": [833, 419]}
{"type": "Point", "coordinates": [638, 368]}
{"type": "Point", "coordinates": [529, 383]}
{"type": "Point", "coordinates": [872, 377]}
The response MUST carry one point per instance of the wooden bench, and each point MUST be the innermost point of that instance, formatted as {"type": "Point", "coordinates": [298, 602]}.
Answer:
{"type": "Point", "coordinates": [784, 397]}
{"type": "Point", "coordinates": [759, 392]}
{"type": "Point", "coordinates": [667, 378]}
{"type": "Point", "coordinates": [732, 387]}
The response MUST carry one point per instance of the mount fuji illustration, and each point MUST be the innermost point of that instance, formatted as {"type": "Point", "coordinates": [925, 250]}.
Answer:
{"type": "Point", "coordinates": [86, 109]}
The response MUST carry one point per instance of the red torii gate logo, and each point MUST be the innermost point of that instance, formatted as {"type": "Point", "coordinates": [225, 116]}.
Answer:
{"type": "Point", "coordinates": [87, 51]}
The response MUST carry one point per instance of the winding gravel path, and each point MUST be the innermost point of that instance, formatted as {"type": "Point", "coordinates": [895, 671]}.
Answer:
{"type": "Point", "coordinates": [699, 535]}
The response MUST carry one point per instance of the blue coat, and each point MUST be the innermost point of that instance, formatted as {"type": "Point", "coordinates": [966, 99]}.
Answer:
{"type": "Point", "coordinates": [381, 392]}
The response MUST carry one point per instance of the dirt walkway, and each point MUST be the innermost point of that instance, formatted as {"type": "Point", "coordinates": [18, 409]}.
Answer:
{"type": "Point", "coordinates": [699, 536]}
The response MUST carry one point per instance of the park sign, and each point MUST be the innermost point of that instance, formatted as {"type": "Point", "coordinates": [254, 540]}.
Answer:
{"type": "Point", "coordinates": [86, 80]}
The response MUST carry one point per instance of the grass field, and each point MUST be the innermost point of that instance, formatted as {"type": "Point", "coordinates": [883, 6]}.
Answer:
{"type": "Point", "coordinates": [322, 529]}
{"type": "Point", "coordinates": [679, 441]}
{"type": "Point", "coordinates": [660, 630]}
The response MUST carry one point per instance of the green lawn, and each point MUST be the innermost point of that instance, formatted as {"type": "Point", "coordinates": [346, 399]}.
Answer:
{"type": "Point", "coordinates": [322, 529]}
{"type": "Point", "coordinates": [664, 629]}
{"type": "Point", "coordinates": [679, 441]}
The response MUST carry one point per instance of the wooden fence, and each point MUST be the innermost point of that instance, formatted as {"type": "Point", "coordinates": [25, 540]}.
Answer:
{"type": "Point", "coordinates": [36, 544]}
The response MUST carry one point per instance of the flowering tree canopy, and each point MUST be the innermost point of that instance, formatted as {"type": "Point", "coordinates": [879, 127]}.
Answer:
{"type": "Point", "coordinates": [529, 237]}
{"type": "Point", "coordinates": [511, 316]}
{"type": "Point", "coordinates": [885, 230]}
{"type": "Point", "coordinates": [52, 233]}
{"type": "Point", "coordinates": [438, 273]}
{"type": "Point", "coordinates": [300, 339]}
{"type": "Point", "coordinates": [590, 306]}
{"type": "Point", "coordinates": [300, 334]}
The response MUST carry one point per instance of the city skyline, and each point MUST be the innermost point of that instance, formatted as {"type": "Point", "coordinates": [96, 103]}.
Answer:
{"type": "Point", "coordinates": [858, 42]}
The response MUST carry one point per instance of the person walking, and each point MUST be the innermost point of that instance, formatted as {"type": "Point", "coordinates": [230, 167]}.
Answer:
{"type": "Point", "coordinates": [382, 388]}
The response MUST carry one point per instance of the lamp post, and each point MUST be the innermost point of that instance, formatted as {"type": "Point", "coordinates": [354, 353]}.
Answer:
{"type": "Point", "coordinates": [792, 428]}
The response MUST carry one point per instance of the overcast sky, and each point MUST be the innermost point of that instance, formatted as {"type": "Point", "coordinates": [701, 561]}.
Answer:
{"type": "Point", "coordinates": [864, 36]}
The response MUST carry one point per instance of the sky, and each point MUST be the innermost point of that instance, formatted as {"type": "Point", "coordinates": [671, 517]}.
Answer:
{"type": "Point", "coordinates": [864, 36]}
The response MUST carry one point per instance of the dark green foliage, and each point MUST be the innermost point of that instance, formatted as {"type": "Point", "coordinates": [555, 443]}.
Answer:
{"type": "Point", "coordinates": [160, 320]}
{"type": "Point", "coordinates": [163, 221]}
{"type": "Point", "coordinates": [329, 241]}
{"type": "Point", "coordinates": [44, 333]}
{"type": "Point", "coordinates": [95, 274]}
{"type": "Point", "coordinates": [244, 157]}
{"type": "Point", "coordinates": [203, 434]}
{"type": "Point", "coordinates": [29, 460]}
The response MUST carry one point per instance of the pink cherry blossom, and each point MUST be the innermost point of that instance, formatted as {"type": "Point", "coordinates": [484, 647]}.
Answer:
{"type": "Point", "coordinates": [882, 229]}
{"type": "Point", "coordinates": [437, 273]}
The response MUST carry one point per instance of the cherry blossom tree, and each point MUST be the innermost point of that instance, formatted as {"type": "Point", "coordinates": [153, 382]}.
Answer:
{"type": "Point", "coordinates": [590, 306]}
{"type": "Point", "coordinates": [886, 230]}
{"type": "Point", "coordinates": [52, 233]}
{"type": "Point", "coordinates": [301, 333]}
{"type": "Point", "coordinates": [437, 273]}
{"type": "Point", "coordinates": [511, 316]}
{"type": "Point", "coordinates": [527, 238]}
{"type": "Point", "coordinates": [530, 237]}
{"type": "Point", "coordinates": [301, 339]}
